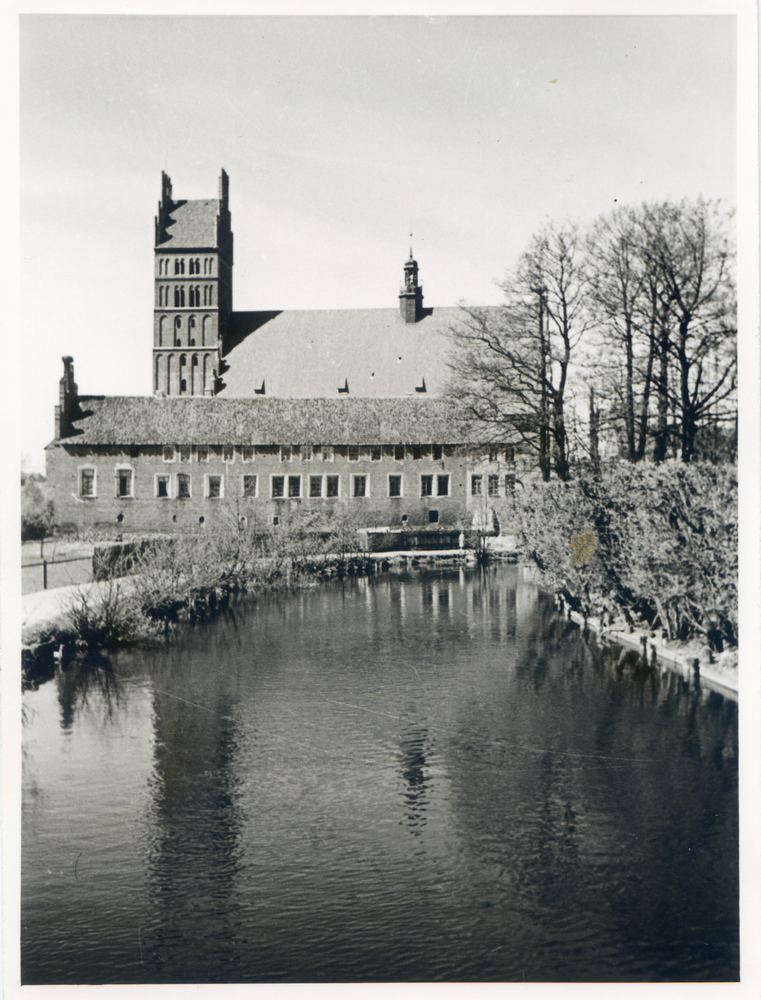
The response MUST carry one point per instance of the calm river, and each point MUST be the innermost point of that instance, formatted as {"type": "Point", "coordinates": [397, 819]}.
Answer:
{"type": "Point", "coordinates": [410, 777]}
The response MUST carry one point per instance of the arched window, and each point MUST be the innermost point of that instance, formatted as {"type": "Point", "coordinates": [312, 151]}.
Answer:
{"type": "Point", "coordinates": [162, 332]}
{"type": "Point", "coordinates": [169, 367]}
{"type": "Point", "coordinates": [157, 375]}
{"type": "Point", "coordinates": [176, 296]}
{"type": "Point", "coordinates": [205, 295]}
{"type": "Point", "coordinates": [191, 329]}
{"type": "Point", "coordinates": [205, 264]}
{"type": "Point", "coordinates": [211, 295]}
{"type": "Point", "coordinates": [191, 266]}
{"type": "Point", "coordinates": [198, 265]}
{"type": "Point", "coordinates": [206, 331]}
{"type": "Point", "coordinates": [211, 265]}
{"type": "Point", "coordinates": [183, 385]}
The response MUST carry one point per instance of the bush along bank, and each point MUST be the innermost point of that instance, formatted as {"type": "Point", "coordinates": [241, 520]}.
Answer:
{"type": "Point", "coordinates": [648, 551]}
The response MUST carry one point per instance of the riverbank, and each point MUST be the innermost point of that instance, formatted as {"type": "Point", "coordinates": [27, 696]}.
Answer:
{"type": "Point", "coordinates": [693, 660]}
{"type": "Point", "coordinates": [48, 635]}
{"type": "Point", "coordinates": [69, 621]}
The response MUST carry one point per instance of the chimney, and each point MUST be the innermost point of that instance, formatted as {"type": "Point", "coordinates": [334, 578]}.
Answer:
{"type": "Point", "coordinates": [67, 400]}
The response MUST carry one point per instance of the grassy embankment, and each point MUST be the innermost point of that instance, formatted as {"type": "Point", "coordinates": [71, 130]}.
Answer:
{"type": "Point", "coordinates": [143, 592]}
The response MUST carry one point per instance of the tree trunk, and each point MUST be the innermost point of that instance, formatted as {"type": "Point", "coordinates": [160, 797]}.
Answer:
{"type": "Point", "coordinates": [645, 405]}
{"type": "Point", "coordinates": [594, 432]}
{"type": "Point", "coordinates": [629, 393]}
{"type": "Point", "coordinates": [544, 416]}
{"type": "Point", "coordinates": [662, 427]}
{"type": "Point", "coordinates": [560, 442]}
{"type": "Point", "coordinates": [689, 423]}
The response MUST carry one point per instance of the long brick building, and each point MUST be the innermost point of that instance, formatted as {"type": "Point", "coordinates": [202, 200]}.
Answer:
{"type": "Point", "coordinates": [275, 416]}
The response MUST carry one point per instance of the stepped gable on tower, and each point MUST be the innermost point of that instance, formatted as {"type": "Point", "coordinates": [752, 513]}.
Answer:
{"type": "Point", "coordinates": [193, 291]}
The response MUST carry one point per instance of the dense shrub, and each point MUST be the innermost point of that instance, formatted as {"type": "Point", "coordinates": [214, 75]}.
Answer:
{"type": "Point", "coordinates": [658, 542]}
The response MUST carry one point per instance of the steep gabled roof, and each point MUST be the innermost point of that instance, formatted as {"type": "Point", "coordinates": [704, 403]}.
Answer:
{"type": "Point", "coordinates": [192, 225]}
{"type": "Point", "coordinates": [145, 420]}
{"type": "Point", "coordinates": [307, 353]}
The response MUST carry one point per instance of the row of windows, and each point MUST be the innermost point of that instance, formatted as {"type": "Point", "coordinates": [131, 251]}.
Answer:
{"type": "Point", "coordinates": [194, 296]}
{"type": "Point", "coordinates": [493, 484]}
{"type": "Point", "coordinates": [287, 453]}
{"type": "Point", "coordinates": [194, 265]}
{"type": "Point", "coordinates": [280, 486]}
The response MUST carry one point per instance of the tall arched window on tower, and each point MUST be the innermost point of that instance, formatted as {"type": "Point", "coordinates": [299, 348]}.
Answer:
{"type": "Point", "coordinates": [179, 296]}
{"type": "Point", "coordinates": [179, 265]}
{"type": "Point", "coordinates": [211, 265]}
{"type": "Point", "coordinates": [206, 339]}
{"type": "Point", "coordinates": [192, 331]}
{"type": "Point", "coordinates": [211, 295]}
{"type": "Point", "coordinates": [206, 295]}
{"type": "Point", "coordinates": [195, 377]}
{"type": "Point", "coordinates": [169, 373]}
{"type": "Point", "coordinates": [162, 332]}
{"type": "Point", "coordinates": [183, 373]}
{"type": "Point", "coordinates": [177, 332]}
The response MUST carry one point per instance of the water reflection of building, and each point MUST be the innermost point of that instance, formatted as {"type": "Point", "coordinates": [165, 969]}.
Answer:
{"type": "Point", "coordinates": [415, 751]}
{"type": "Point", "coordinates": [194, 857]}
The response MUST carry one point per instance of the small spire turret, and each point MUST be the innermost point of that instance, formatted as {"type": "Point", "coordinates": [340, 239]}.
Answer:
{"type": "Point", "coordinates": [411, 293]}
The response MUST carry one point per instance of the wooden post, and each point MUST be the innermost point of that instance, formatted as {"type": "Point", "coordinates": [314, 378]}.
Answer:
{"type": "Point", "coordinates": [44, 574]}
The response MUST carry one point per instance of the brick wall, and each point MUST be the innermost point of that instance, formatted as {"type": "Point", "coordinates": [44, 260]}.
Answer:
{"type": "Point", "coordinates": [73, 471]}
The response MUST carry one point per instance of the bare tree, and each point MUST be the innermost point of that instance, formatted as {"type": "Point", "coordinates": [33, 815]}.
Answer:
{"type": "Point", "coordinates": [689, 248]}
{"type": "Point", "coordinates": [511, 371]}
{"type": "Point", "coordinates": [622, 296]}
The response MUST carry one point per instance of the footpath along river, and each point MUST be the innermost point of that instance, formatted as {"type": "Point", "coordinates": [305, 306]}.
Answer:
{"type": "Point", "coordinates": [418, 776]}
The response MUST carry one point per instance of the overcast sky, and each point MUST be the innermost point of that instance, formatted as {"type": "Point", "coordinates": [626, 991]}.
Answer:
{"type": "Point", "coordinates": [340, 136]}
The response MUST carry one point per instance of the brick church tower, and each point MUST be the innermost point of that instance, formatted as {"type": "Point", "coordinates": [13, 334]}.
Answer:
{"type": "Point", "coordinates": [193, 291]}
